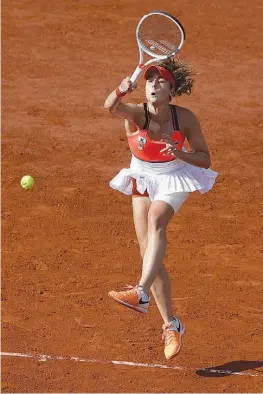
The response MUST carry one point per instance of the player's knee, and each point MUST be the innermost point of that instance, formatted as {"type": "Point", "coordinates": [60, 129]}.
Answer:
{"type": "Point", "coordinates": [156, 222]}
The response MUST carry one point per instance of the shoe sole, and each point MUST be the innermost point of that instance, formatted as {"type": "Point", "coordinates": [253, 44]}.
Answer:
{"type": "Point", "coordinates": [181, 334]}
{"type": "Point", "coordinates": [135, 308]}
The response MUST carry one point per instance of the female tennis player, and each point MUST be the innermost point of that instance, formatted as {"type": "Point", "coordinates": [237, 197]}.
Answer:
{"type": "Point", "coordinates": [162, 173]}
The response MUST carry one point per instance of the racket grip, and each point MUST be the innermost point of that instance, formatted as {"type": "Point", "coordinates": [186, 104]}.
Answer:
{"type": "Point", "coordinates": [136, 74]}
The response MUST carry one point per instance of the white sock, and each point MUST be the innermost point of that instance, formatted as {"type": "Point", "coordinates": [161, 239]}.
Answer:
{"type": "Point", "coordinates": [176, 323]}
{"type": "Point", "coordinates": [144, 295]}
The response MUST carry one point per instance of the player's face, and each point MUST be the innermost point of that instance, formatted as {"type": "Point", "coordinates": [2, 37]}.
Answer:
{"type": "Point", "coordinates": [158, 89]}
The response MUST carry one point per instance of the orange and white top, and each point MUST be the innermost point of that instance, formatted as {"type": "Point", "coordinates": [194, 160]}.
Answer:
{"type": "Point", "coordinates": [156, 173]}
{"type": "Point", "coordinates": [147, 149]}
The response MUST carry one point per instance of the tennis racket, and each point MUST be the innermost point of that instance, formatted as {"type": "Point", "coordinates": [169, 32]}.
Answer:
{"type": "Point", "coordinates": [159, 35]}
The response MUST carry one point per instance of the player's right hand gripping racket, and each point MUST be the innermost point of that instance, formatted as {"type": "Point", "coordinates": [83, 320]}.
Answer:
{"type": "Point", "coordinates": [159, 35]}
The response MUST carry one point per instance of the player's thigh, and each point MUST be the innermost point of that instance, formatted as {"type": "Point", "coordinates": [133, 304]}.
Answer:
{"type": "Point", "coordinates": [141, 206]}
{"type": "Point", "coordinates": [159, 215]}
{"type": "Point", "coordinates": [164, 207]}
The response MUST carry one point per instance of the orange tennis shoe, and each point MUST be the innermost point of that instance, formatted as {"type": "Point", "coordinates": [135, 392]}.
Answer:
{"type": "Point", "coordinates": [172, 335]}
{"type": "Point", "coordinates": [135, 298]}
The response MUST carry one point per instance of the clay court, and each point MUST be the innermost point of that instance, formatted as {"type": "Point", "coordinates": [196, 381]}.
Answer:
{"type": "Point", "coordinates": [71, 239]}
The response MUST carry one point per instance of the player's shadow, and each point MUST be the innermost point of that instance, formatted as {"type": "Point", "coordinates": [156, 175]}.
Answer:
{"type": "Point", "coordinates": [227, 369]}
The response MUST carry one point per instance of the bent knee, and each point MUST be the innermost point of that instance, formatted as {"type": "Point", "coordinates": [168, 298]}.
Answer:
{"type": "Point", "coordinates": [156, 221]}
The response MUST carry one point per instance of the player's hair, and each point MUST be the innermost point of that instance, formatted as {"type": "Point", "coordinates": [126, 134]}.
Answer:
{"type": "Point", "coordinates": [182, 73]}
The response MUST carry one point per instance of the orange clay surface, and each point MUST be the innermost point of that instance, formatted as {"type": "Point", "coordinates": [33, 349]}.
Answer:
{"type": "Point", "coordinates": [70, 239]}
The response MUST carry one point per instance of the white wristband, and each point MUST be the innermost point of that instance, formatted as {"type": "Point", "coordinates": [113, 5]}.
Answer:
{"type": "Point", "coordinates": [121, 90]}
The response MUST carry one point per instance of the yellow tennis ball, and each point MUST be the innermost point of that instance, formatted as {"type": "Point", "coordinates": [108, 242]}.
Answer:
{"type": "Point", "coordinates": [27, 182]}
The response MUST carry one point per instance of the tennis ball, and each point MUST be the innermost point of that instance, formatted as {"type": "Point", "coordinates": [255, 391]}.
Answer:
{"type": "Point", "coordinates": [27, 182]}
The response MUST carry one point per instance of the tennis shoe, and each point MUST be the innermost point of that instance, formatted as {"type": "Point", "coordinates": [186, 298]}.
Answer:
{"type": "Point", "coordinates": [172, 336]}
{"type": "Point", "coordinates": [135, 298]}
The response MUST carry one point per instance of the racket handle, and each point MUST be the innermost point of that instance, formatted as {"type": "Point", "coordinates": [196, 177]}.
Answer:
{"type": "Point", "coordinates": [136, 73]}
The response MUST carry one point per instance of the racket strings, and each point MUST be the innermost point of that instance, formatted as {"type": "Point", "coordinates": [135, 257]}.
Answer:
{"type": "Point", "coordinates": [160, 35]}
{"type": "Point", "coordinates": [163, 46]}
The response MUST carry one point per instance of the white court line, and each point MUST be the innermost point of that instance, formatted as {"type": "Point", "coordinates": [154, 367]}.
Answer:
{"type": "Point", "coordinates": [45, 357]}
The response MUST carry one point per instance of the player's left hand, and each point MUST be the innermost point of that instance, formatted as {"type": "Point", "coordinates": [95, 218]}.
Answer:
{"type": "Point", "coordinates": [170, 148]}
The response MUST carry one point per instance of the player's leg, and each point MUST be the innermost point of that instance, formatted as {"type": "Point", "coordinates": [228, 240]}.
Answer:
{"type": "Point", "coordinates": [136, 297]}
{"type": "Point", "coordinates": [160, 214]}
{"type": "Point", "coordinates": [154, 273]}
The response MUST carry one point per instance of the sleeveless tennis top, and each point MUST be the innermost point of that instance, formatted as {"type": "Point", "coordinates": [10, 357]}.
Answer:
{"type": "Point", "coordinates": [147, 149]}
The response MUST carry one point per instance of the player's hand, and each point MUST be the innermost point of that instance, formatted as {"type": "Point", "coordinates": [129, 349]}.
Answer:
{"type": "Point", "coordinates": [170, 148]}
{"type": "Point", "coordinates": [127, 86]}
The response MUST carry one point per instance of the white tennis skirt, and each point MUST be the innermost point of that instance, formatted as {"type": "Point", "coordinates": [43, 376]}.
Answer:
{"type": "Point", "coordinates": [166, 178]}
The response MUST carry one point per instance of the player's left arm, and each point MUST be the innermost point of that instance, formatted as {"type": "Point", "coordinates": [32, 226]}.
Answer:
{"type": "Point", "coordinates": [200, 155]}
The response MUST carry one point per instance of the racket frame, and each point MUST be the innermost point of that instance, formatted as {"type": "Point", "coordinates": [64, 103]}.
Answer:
{"type": "Point", "coordinates": [143, 49]}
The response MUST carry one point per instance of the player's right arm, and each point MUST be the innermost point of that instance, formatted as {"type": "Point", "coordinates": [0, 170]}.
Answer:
{"type": "Point", "coordinates": [114, 104]}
